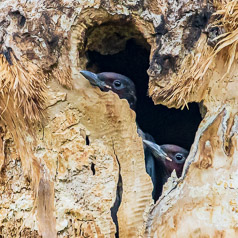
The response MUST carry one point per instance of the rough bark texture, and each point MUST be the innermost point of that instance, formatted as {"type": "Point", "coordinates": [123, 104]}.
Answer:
{"type": "Point", "coordinates": [64, 143]}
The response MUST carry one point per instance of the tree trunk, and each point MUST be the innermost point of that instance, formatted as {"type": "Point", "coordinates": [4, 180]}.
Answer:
{"type": "Point", "coordinates": [66, 146]}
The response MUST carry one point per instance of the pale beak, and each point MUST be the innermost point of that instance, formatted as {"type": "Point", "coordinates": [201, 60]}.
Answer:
{"type": "Point", "coordinates": [156, 150]}
{"type": "Point", "coordinates": [93, 79]}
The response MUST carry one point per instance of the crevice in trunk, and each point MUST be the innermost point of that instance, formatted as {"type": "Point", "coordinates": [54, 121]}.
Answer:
{"type": "Point", "coordinates": [117, 203]}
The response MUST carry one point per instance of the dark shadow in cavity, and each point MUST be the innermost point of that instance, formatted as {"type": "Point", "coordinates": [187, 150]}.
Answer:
{"type": "Point", "coordinates": [167, 126]}
{"type": "Point", "coordinates": [93, 168]}
{"type": "Point", "coordinates": [87, 140]}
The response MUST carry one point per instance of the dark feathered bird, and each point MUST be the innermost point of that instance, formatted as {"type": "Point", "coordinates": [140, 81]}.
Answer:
{"type": "Point", "coordinates": [118, 83]}
{"type": "Point", "coordinates": [173, 158]}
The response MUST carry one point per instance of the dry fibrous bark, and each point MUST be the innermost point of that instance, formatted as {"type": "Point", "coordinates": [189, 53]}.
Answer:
{"type": "Point", "coordinates": [64, 143]}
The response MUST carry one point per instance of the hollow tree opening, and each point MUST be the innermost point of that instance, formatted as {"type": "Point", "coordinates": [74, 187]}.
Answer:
{"type": "Point", "coordinates": [118, 47]}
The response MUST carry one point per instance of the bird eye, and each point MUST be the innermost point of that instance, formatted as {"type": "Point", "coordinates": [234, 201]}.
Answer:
{"type": "Point", "coordinates": [117, 83]}
{"type": "Point", "coordinates": [179, 156]}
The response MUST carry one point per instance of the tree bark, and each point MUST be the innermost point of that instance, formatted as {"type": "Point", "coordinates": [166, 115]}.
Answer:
{"type": "Point", "coordinates": [64, 144]}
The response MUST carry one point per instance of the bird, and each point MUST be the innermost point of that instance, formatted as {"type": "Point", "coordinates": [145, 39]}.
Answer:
{"type": "Point", "coordinates": [172, 158]}
{"type": "Point", "coordinates": [118, 83]}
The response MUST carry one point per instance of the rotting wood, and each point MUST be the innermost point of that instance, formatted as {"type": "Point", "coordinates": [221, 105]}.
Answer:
{"type": "Point", "coordinates": [43, 48]}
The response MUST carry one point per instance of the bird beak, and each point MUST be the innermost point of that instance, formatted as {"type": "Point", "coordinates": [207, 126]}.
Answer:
{"type": "Point", "coordinates": [157, 150]}
{"type": "Point", "coordinates": [93, 79]}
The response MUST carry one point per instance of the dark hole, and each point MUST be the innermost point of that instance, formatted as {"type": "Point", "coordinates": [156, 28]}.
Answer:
{"type": "Point", "coordinates": [7, 54]}
{"type": "Point", "coordinates": [87, 140]}
{"type": "Point", "coordinates": [53, 42]}
{"type": "Point", "coordinates": [200, 19]}
{"type": "Point", "coordinates": [22, 21]}
{"type": "Point", "coordinates": [167, 126]}
{"type": "Point", "coordinates": [20, 18]}
{"type": "Point", "coordinates": [93, 168]}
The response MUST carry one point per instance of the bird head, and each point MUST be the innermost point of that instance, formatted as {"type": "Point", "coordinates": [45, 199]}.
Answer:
{"type": "Point", "coordinates": [118, 83]}
{"type": "Point", "coordinates": [172, 156]}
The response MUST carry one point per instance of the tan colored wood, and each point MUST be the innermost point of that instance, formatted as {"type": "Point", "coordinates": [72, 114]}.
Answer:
{"type": "Point", "coordinates": [54, 184]}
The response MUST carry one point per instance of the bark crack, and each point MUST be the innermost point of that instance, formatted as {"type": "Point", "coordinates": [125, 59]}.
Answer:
{"type": "Point", "coordinates": [117, 203]}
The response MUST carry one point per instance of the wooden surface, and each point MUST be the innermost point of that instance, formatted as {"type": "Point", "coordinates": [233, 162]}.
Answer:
{"type": "Point", "coordinates": [60, 172]}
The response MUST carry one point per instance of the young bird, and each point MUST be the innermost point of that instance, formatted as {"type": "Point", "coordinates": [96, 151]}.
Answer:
{"type": "Point", "coordinates": [173, 158]}
{"type": "Point", "coordinates": [118, 83]}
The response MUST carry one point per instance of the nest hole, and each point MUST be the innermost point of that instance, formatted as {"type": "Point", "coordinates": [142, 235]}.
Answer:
{"type": "Point", "coordinates": [93, 168]}
{"type": "Point", "coordinates": [87, 140]}
{"type": "Point", "coordinates": [130, 57]}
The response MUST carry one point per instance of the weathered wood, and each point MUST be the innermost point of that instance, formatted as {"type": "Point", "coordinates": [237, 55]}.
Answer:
{"type": "Point", "coordinates": [63, 142]}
